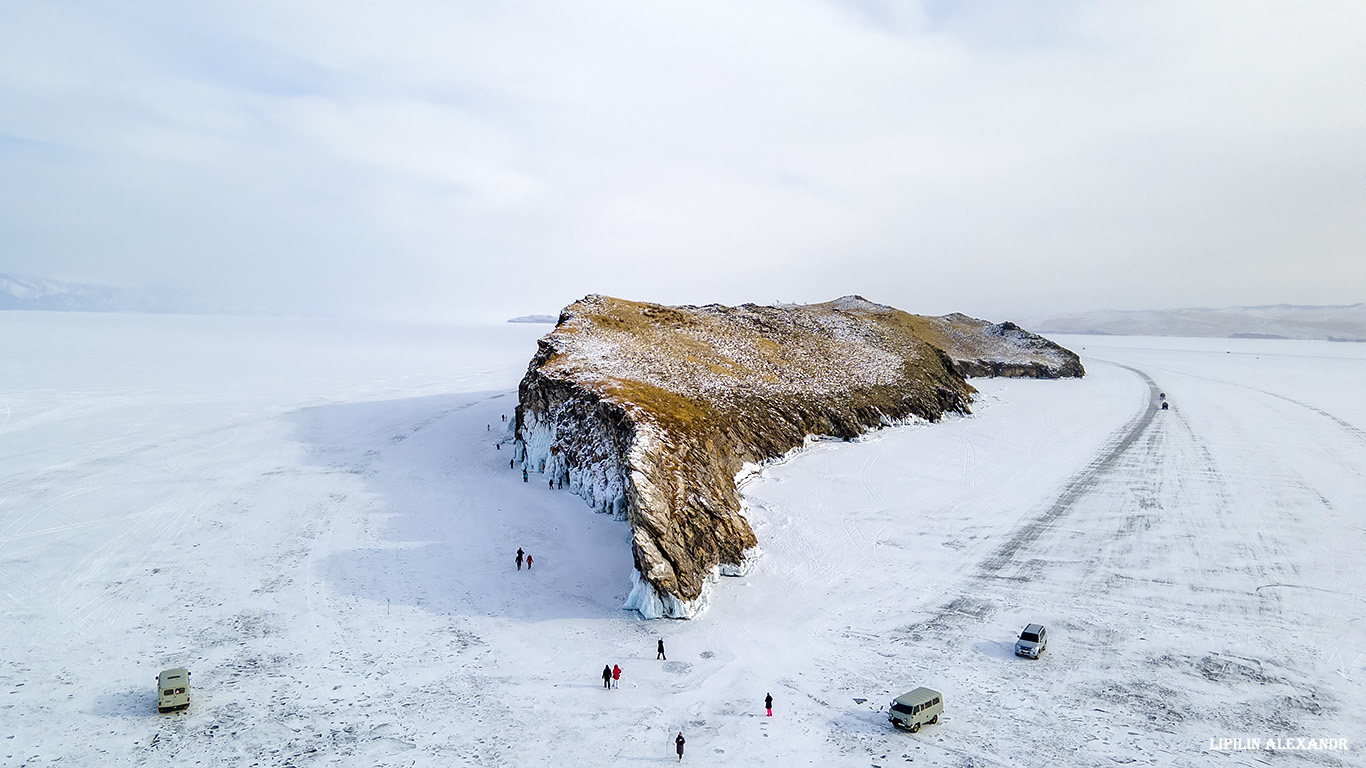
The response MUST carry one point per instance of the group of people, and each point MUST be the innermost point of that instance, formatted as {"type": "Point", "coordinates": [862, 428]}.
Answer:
{"type": "Point", "coordinates": [551, 482]}
{"type": "Point", "coordinates": [611, 674]}
{"type": "Point", "coordinates": [611, 677]}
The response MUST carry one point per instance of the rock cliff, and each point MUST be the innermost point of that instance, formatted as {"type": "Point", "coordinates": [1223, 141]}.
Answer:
{"type": "Point", "coordinates": [649, 412]}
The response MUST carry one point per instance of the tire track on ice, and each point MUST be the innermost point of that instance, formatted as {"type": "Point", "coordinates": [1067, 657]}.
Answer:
{"type": "Point", "coordinates": [1079, 486]}
{"type": "Point", "coordinates": [965, 607]}
{"type": "Point", "coordinates": [1346, 426]}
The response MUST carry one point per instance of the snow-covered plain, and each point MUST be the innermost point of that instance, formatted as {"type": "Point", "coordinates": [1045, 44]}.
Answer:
{"type": "Point", "coordinates": [313, 517]}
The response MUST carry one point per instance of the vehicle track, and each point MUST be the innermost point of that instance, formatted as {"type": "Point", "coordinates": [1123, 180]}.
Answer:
{"type": "Point", "coordinates": [1163, 567]}
{"type": "Point", "coordinates": [963, 605]}
{"type": "Point", "coordinates": [1079, 486]}
{"type": "Point", "coordinates": [1346, 426]}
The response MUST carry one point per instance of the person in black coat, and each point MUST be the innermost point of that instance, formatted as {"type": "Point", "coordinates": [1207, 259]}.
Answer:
{"type": "Point", "coordinates": [678, 745]}
{"type": "Point", "coordinates": [660, 653]}
{"type": "Point", "coordinates": [768, 703]}
{"type": "Point", "coordinates": [607, 676]}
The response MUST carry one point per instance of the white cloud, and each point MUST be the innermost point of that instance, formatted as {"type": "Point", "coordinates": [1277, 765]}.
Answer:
{"type": "Point", "coordinates": [937, 156]}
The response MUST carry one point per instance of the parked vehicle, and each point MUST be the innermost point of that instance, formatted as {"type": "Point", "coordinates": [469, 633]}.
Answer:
{"type": "Point", "coordinates": [1032, 641]}
{"type": "Point", "coordinates": [919, 707]}
{"type": "Point", "coordinates": [173, 689]}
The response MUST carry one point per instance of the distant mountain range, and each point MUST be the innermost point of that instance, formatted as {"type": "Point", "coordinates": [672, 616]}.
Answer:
{"type": "Point", "coordinates": [72, 296]}
{"type": "Point", "coordinates": [1276, 321]}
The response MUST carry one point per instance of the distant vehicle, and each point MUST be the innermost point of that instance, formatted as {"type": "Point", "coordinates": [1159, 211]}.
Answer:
{"type": "Point", "coordinates": [1032, 641]}
{"type": "Point", "coordinates": [173, 689]}
{"type": "Point", "coordinates": [917, 708]}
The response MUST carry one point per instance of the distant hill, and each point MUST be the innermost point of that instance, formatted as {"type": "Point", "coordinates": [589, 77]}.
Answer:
{"type": "Point", "coordinates": [1277, 321]}
{"type": "Point", "coordinates": [71, 296]}
{"type": "Point", "coordinates": [548, 319]}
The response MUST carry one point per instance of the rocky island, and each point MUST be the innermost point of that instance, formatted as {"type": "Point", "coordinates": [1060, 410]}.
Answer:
{"type": "Point", "coordinates": [650, 412]}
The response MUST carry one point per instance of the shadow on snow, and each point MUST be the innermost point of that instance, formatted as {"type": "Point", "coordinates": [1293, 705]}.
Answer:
{"type": "Point", "coordinates": [441, 515]}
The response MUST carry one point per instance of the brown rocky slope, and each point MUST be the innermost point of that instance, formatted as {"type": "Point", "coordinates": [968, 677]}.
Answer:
{"type": "Point", "coordinates": [649, 411]}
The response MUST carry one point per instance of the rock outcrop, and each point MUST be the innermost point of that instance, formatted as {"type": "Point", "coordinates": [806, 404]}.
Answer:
{"type": "Point", "coordinates": [649, 412]}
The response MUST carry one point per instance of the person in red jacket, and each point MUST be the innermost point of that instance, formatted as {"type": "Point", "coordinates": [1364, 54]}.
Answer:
{"type": "Point", "coordinates": [616, 675]}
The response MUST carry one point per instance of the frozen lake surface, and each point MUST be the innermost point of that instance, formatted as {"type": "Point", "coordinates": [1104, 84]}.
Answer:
{"type": "Point", "coordinates": [307, 515]}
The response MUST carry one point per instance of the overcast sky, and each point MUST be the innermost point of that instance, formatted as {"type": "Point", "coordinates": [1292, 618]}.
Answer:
{"type": "Point", "coordinates": [462, 161]}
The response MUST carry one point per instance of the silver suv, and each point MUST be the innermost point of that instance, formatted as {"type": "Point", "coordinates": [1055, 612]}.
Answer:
{"type": "Point", "coordinates": [1032, 641]}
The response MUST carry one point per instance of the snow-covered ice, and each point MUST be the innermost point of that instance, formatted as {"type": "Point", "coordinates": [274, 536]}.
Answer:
{"type": "Point", "coordinates": [312, 516]}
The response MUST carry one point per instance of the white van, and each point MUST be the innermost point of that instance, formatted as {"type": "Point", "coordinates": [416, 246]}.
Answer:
{"type": "Point", "coordinates": [914, 709]}
{"type": "Point", "coordinates": [173, 689]}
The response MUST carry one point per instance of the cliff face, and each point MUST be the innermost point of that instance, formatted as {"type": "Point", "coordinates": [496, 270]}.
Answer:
{"type": "Point", "coordinates": [649, 412]}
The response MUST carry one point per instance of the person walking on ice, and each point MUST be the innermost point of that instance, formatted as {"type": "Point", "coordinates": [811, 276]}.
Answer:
{"type": "Point", "coordinates": [616, 675]}
{"type": "Point", "coordinates": [659, 654]}
{"type": "Point", "coordinates": [524, 474]}
{"type": "Point", "coordinates": [678, 745]}
{"type": "Point", "coordinates": [528, 562]}
{"type": "Point", "coordinates": [606, 676]}
{"type": "Point", "coordinates": [768, 703]}
{"type": "Point", "coordinates": [519, 559]}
